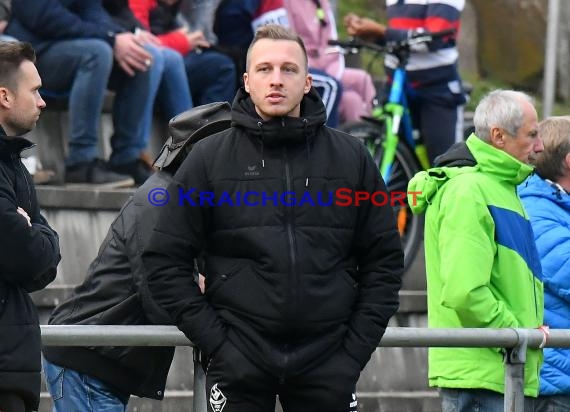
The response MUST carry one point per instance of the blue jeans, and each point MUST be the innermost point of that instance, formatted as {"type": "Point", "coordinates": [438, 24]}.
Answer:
{"type": "Point", "coordinates": [212, 76]}
{"type": "Point", "coordinates": [82, 69]}
{"type": "Point", "coordinates": [78, 69]}
{"type": "Point", "coordinates": [554, 403]}
{"type": "Point", "coordinates": [477, 400]}
{"type": "Point", "coordinates": [170, 85]}
{"type": "Point", "coordinates": [330, 90]}
{"type": "Point", "coordinates": [74, 391]}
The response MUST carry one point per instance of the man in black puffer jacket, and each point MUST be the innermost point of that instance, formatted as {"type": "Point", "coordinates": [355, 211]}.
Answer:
{"type": "Point", "coordinates": [29, 248]}
{"type": "Point", "coordinates": [300, 285]}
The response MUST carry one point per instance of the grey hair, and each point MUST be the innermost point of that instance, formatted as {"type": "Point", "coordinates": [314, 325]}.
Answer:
{"type": "Point", "coordinates": [500, 108]}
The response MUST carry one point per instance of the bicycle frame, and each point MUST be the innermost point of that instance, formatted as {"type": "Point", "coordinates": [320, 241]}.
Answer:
{"type": "Point", "coordinates": [396, 116]}
{"type": "Point", "coordinates": [389, 136]}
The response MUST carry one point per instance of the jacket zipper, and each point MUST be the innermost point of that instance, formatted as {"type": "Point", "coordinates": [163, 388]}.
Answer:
{"type": "Point", "coordinates": [293, 279]}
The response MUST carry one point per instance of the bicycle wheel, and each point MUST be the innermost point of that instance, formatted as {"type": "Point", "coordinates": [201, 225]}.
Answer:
{"type": "Point", "coordinates": [404, 167]}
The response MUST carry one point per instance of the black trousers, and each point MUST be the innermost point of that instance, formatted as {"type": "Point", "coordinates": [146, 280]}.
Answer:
{"type": "Point", "coordinates": [234, 384]}
{"type": "Point", "coordinates": [11, 402]}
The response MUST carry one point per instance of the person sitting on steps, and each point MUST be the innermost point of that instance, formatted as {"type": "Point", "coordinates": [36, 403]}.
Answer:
{"type": "Point", "coordinates": [82, 51]}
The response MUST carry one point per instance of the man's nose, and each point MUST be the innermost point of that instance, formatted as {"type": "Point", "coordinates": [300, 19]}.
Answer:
{"type": "Point", "coordinates": [41, 103]}
{"type": "Point", "coordinates": [538, 146]}
{"type": "Point", "coordinates": [276, 77]}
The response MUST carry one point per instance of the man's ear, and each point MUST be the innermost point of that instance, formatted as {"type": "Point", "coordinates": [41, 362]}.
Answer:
{"type": "Point", "coordinates": [497, 137]}
{"type": "Point", "coordinates": [246, 82]}
{"type": "Point", "coordinates": [308, 83]}
{"type": "Point", "coordinates": [6, 97]}
{"type": "Point", "coordinates": [567, 161]}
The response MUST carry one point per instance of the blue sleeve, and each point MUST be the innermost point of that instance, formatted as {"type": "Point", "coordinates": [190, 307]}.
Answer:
{"type": "Point", "coordinates": [54, 21]}
{"type": "Point", "coordinates": [232, 22]}
{"type": "Point", "coordinates": [552, 235]}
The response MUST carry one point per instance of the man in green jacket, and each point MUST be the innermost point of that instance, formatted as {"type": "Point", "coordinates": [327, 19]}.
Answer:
{"type": "Point", "coordinates": [481, 261]}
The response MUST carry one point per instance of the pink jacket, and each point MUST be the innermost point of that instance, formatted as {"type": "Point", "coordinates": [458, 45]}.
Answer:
{"type": "Point", "coordinates": [316, 32]}
{"type": "Point", "coordinates": [316, 28]}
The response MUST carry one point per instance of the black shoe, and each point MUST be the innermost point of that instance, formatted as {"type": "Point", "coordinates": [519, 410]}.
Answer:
{"type": "Point", "coordinates": [136, 169]}
{"type": "Point", "coordinates": [96, 172]}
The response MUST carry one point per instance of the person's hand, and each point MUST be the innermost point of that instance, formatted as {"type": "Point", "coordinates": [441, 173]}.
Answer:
{"type": "Point", "coordinates": [146, 37]}
{"type": "Point", "coordinates": [130, 54]}
{"type": "Point", "coordinates": [23, 213]}
{"type": "Point", "coordinates": [363, 27]}
{"type": "Point", "coordinates": [202, 283]}
{"type": "Point", "coordinates": [350, 20]}
{"type": "Point", "coordinates": [196, 39]}
{"type": "Point", "coordinates": [3, 24]}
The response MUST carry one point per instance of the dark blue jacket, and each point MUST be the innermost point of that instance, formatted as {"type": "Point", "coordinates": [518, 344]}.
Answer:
{"type": "Point", "coordinates": [28, 260]}
{"type": "Point", "coordinates": [41, 22]}
{"type": "Point", "coordinates": [549, 210]}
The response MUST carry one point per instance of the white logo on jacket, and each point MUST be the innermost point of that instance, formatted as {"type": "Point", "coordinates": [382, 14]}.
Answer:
{"type": "Point", "coordinates": [217, 399]}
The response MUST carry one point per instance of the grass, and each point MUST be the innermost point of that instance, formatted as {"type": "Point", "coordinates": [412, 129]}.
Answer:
{"type": "Point", "coordinates": [483, 86]}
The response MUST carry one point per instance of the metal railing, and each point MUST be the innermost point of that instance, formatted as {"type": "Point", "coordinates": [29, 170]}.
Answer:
{"type": "Point", "coordinates": [515, 341]}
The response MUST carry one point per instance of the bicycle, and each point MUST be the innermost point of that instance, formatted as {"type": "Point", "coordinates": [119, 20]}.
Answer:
{"type": "Point", "coordinates": [394, 144]}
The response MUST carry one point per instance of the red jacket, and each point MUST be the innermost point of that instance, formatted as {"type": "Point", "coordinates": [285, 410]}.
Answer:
{"type": "Point", "coordinates": [174, 39]}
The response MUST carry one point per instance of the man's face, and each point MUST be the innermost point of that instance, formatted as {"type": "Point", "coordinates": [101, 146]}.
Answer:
{"type": "Point", "coordinates": [24, 104]}
{"type": "Point", "coordinates": [526, 144]}
{"type": "Point", "coordinates": [277, 79]}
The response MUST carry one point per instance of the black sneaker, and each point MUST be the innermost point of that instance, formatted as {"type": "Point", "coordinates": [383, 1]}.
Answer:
{"type": "Point", "coordinates": [96, 172]}
{"type": "Point", "coordinates": [137, 169]}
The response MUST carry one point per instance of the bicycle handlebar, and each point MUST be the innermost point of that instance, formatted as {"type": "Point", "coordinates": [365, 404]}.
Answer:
{"type": "Point", "coordinates": [354, 44]}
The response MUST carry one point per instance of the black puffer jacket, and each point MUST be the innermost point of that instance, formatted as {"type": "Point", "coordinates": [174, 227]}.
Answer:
{"type": "Point", "coordinates": [286, 284]}
{"type": "Point", "coordinates": [112, 295]}
{"type": "Point", "coordinates": [28, 262]}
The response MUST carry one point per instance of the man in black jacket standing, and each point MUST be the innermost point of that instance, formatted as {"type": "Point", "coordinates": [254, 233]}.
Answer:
{"type": "Point", "coordinates": [300, 282]}
{"type": "Point", "coordinates": [29, 248]}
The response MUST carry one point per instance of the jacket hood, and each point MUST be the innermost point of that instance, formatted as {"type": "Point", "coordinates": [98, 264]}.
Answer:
{"type": "Point", "coordinates": [279, 130]}
{"type": "Point", "coordinates": [473, 155]}
{"type": "Point", "coordinates": [187, 128]}
{"type": "Point", "coordinates": [535, 186]}
{"type": "Point", "coordinates": [457, 155]}
{"type": "Point", "coordinates": [497, 162]}
{"type": "Point", "coordinates": [12, 145]}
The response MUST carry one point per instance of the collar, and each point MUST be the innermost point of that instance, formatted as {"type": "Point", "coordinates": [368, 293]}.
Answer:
{"type": "Point", "coordinates": [10, 145]}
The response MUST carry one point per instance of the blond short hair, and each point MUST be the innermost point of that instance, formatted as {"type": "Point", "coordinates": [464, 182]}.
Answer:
{"type": "Point", "coordinates": [277, 32]}
{"type": "Point", "coordinates": [555, 134]}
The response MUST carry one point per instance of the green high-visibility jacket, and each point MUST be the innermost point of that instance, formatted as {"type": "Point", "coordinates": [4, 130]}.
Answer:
{"type": "Point", "coordinates": [482, 266]}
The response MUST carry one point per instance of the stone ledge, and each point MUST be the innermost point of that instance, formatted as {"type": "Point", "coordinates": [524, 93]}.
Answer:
{"type": "Point", "coordinates": [82, 197]}
{"type": "Point", "coordinates": [411, 301]}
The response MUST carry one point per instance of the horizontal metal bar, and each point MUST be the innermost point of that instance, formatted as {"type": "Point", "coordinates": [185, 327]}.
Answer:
{"type": "Point", "coordinates": [158, 335]}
